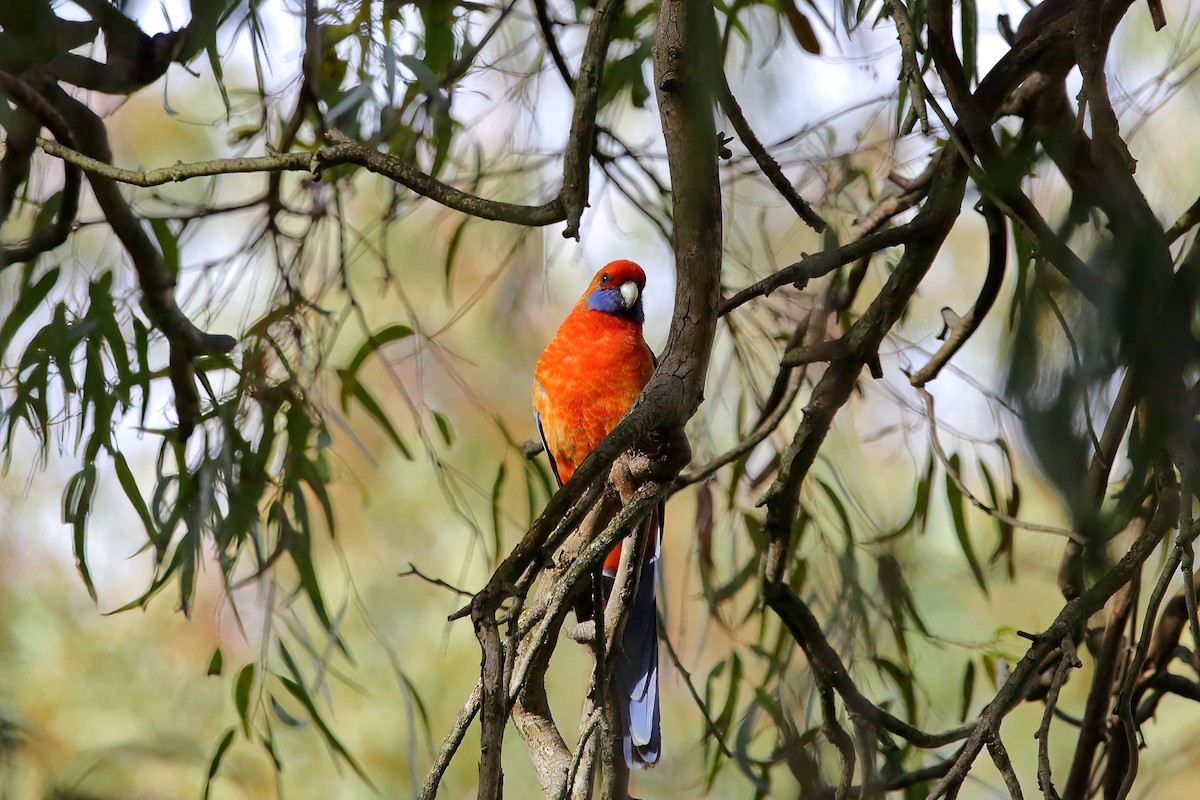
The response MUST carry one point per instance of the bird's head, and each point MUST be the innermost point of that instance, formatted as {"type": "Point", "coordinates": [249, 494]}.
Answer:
{"type": "Point", "coordinates": [617, 289]}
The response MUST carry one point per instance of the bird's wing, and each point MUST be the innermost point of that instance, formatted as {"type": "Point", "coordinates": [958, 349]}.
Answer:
{"type": "Point", "coordinates": [537, 418]}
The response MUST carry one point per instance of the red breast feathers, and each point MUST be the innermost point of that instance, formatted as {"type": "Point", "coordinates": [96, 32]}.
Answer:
{"type": "Point", "coordinates": [595, 367]}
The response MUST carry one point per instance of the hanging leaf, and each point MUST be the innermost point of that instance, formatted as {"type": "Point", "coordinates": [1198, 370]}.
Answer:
{"type": "Point", "coordinates": [301, 694]}
{"type": "Point", "coordinates": [392, 333]}
{"type": "Point", "coordinates": [76, 507]}
{"type": "Point", "coordinates": [954, 496]}
{"type": "Point", "coordinates": [444, 428]}
{"type": "Point", "coordinates": [456, 239]}
{"type": "Point", "coordinates": [168, 244]}
{"type": "Point", "coordinates": [968, 690]}
{"type": "Point", "coordinates": [28, 301]}
{"type": "Point", "coordinates": [801, 27]}
{"type": "Point", "coordinates": [241, 695]}
{"type": "Point", "coordinates": [498, 513]}
{"type": "Point", "coordinates": [215, 764]}
{"type": "Point", "coordinates": [215, 664]}
{"type": "Point", "coordinates": [372, 407]}
{"type": "Point", "coordinates": [704, 531]}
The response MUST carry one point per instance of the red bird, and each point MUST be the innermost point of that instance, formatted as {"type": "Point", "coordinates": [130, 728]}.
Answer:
{"type": "Point", "coordinates": [586, 380]}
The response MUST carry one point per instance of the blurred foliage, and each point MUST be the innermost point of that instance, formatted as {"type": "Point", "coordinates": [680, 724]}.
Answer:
{"type": "Point", "coordinates": [326, 390]}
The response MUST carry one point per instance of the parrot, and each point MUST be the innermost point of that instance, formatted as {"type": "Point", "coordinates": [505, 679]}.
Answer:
{"type": "Point", "coordinates": [586, 380]}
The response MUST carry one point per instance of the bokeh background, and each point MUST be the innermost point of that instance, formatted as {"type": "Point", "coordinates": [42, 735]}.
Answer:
{"type": "Point", "coordinates": [94, 704]}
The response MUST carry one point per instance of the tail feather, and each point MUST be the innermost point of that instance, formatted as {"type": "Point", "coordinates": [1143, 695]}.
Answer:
{"type": "Point", "coordinates": [635, 678]}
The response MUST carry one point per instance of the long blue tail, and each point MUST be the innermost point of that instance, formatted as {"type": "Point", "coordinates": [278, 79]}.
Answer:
{"type": "Point", "coordinates": [635, 677]}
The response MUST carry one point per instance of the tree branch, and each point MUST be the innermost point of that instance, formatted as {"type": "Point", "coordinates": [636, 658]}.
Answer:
{"type": "Point", "coordinates": [940, 452]}
{"type": "Point", "coordinates": [764, 160]}
{"type": "Point", "coordinates": [47, 238]}
{"type": "Point", "coordinates": [343, 151]}
{"type": "Point", "coordinates": [959, 329]}
{"type": "Point", "coordinates": [451, 744]}
{"type": "Point", "coordinates": [1071, 615]}
{"type": "Point", "coordinates": [577, 160]}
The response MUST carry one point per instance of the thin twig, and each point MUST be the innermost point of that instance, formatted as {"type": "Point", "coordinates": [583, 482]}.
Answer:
{"type": "Point", "coordinates": [344, 151]}
{"type": "Point", "coordinates": [586, 743]}
{"type": "Point", "coordinates": [413, 571]}
{"type": "Point", "coordinates": [935, 442]}
{"type": "Point", "coordinates": [818, 264]}
{"type": "Point", "coordinates": [1004, 766]}
{"type": "Point", "coordinates": [451, 743]}
{"type": "Point", "coordinates": [959, 329]}
{"type": "Point", "coordinates": [1067, 661]}
{"type": "Point", "coordinates": [711, 725]}
{"type": "Point", "coordinates": [836, 735]}
{"type": "Point", "coordinates": [764, 160]}
{"type": "Point", "coordinates": [1072, 614]}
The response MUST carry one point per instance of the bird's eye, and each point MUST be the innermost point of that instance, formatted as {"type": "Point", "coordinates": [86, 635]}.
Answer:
{"type": "Point", "coordinates": [604, 279]}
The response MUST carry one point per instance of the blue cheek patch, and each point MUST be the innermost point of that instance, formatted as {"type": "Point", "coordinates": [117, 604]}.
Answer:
{"type": "Point", "coordinates": [609, 301]}
{"type": "Point", "coordinates": [606, 300]}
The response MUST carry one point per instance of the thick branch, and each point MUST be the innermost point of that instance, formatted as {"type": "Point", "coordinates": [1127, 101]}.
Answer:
{"type": "Point", "coordinates": [157, 284]}
{"type": "Point", "coordinates": [16, 168]}
{"type": "Point", "coordinates": [578, 156]}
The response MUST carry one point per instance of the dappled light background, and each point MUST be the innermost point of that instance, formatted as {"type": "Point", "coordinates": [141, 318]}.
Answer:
{"type": "Point", "coordinates": [135, 703]}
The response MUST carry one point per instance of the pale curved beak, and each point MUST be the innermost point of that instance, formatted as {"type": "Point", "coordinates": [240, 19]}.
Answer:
{"type": "Point", "coordinates": [629, 293]}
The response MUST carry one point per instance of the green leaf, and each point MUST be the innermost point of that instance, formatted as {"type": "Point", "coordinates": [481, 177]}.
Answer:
{"type": "Point", "coordinates": [27, 302]}
{"type": "Point", "coordinates": [725, 718]}
{"type": "Point", "coordinates": [48, 212]}
{"type": "Point", "coordinates": [285, 717]}
{"type": "Point", "coordinates": [215, 764]}
{"type": "Point", "coordinates": [76, 507]}
{"type": "Point", "coordinates": [268, 743]}
{"type": "Point", "coordinates": [968, 690]}
{"type": "Point", "coordinates": [301, 694]}
{"type": "Point", "coordinates": [168, 243]}
{"type": "Point", "coordinates": [957, 511]}
{"type": "Point", "coordinates": [368, 402]}
{"type": "Point", "coordinates": [497, 512]}
{"type": "Point", "coordinates": [157, 586]}
{"type": "Point", "coordinates": [840, 508]}
{"type": "Point", "coordinates": [59, 339]}
{"type": "Point", "coordinates": [300, 549]}
{"type": "Point", "coordinates": [214, 63]}
{"type": "Point", "coordinates": [141, 339]}
{"type": "Point", "coordinates": [430, 84]}
{"type": "Point", "coordinates": [392, 333]}
{"type": "Point", "coordinates": [130, 487]}
{"type": "Point", "coordinates": [310, 474]}
{"type": "Point", "coordinates": [216, 664]}
{"type": "Point", "coordinates": [241, 695]}
{"type": "Point", "coordinates": [1024, 257]}
{"type": "Point", "coordinates": [904, 682]}
{"type": "Point", "coordinates": [723, 593]}
{"type": "Point", "coordinates": [187, 568]}
{"type": "Point", "coordinates": [860, 13]}
{"type": "Point", "coordinates": [452, 250]}
{"type": "Point", "coordinates": [626, 72]}
{"type": "Point", "coordinates": [920, 512]}
{"type": "Point", "coordinates": [444, 428]}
